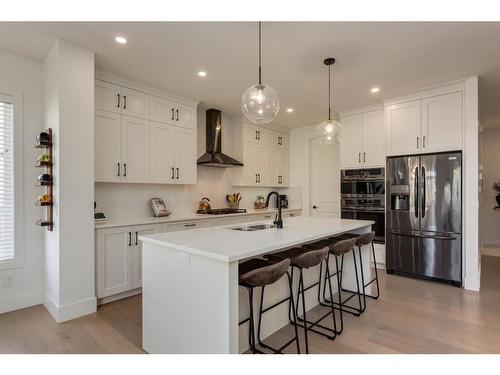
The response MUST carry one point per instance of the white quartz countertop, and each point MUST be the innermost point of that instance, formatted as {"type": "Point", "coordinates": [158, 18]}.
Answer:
{"type": "Point", "coordinates": [174, 217]}
{"type": "Point", "coordinates": [223, 244]}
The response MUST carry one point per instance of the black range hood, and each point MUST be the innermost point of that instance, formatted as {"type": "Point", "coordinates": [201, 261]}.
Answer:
{"type": "Point", "coordinates": [214, 156]}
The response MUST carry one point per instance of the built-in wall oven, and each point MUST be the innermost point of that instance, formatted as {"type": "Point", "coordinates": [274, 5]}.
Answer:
{"type": "Point", "coordinates": [363, 197]}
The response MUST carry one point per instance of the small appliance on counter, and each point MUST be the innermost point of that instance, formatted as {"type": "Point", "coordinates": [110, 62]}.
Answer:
{"type": "Point", "coordinates": [222, 211]}
{"type": "Point", "coordinates": [284, 201]}
{"type": "Point", "coordinates": [99, 216]}
{"type": "Point", "coordinates": [159, 207]}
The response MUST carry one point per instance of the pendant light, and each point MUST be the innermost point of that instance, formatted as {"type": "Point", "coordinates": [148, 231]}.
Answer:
{"type": "Point", "coordinates": [260, 103]}
{"type": "Point", "coordinates": [331, 129]}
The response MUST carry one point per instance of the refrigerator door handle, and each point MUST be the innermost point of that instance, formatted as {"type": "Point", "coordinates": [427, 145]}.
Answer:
{"type": "Point", "coordinates": [423, 191]}
{"type": "Point", "coordinates": [416, 192]}
{"type": "Point", "coordinates": [420, 235]}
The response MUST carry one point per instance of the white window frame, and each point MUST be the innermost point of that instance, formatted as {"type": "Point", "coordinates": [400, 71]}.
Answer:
{"type": "Point", "coordinates": [16, 98]}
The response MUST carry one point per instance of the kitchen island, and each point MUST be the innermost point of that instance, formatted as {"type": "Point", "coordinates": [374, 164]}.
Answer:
{"type": "Point", "coordinates": [191, 298]}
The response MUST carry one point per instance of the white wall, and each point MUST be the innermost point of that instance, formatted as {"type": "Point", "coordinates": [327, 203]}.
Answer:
{"type": "Point", "coordinates": [69, 107]}
{"type": "Point", "coordinates": [23, 76]}
{"type": "Point", "coordinates": [132, 200]}
{"type": "Point", "coordinates": [489, 219]}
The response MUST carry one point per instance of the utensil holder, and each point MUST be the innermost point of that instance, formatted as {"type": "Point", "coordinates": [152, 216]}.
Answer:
{"type": "Point", "coordinates": [234, 205]}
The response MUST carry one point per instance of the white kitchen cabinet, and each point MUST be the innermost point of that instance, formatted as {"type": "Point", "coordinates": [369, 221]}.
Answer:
{"type": "Point", "coordinates": [185, 156]}
{"type": "Point", "coordinates": [107, 96]}
{"type": "Point", "coordinates": [277, 173]}
{"type": "Point", "coordinates": [162, 153]}
{"type": "Point", "coordinates": [172, 227]}
{"type": "Point", "coordinates": [107, 146]}
{"type": "Point", "coordinates": [135, 103]}
{"type": "Point", "coordinates": [136, 140]}
{"type": "Point", "coordinates": [162, 110]}
{"type": "Point", "coordinates": [140, 230]}
{"type": "Point", "coordinates": [256, 164]}
{"type": "Point", "coordinates": [185, 116]}
{"type": "Point", "coordinates": [254, 134]}
{"type": "Point", "coordinates": [351, 146]}
{"type": "Point", "coordinates": [404, 128]}
{"type": "Point", "coordinates": [114, 261]}
{"type": "Point", "coordinates": [442, 122]}
{"type": "Point", "coordinates": [373, 139]}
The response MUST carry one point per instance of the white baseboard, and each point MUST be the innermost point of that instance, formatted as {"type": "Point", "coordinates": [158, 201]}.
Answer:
{"type": "Point", "coordinates": [116, 297]}
{"type": "Point", "coordinates": [69, 311]}
{"type": "Point", "coordinates": [20, 301]}
{"type": "Point", "coordinates": [490, 250]}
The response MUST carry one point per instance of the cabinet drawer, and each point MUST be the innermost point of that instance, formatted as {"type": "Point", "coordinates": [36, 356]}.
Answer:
{"type": "Point", "coordinates": [292, 213]}
{"type": "Point", "coordinates": [230, 220]}
{"type": "Point", "coordinates": [264, 216]}
{"type": "Point", "coordinates": [187, 225]}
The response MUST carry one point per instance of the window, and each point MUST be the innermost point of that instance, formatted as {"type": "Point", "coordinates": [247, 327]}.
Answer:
{"type": "Point", "coordinates": [6, 180]}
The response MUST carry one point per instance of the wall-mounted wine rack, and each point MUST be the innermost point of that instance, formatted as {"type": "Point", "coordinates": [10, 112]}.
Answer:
{"type": "Point", "coordinates": [46, 161]}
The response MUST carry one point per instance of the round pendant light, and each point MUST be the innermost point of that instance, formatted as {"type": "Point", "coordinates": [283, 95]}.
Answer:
{"type": "Point", "coordinates": [260, 103]}
{"type": "Point", "coordinates": [331, 129]}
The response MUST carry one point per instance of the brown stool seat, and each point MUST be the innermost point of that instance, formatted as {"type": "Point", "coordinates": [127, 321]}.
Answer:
{"type": "Point", "coordinates": [301, 257]}
{"type": "Point", "coordinates": [337, 245]}
{"type": "Point", "coordinates": [261, 272]}
{"type": "Point", "coordinates": [361, 239]}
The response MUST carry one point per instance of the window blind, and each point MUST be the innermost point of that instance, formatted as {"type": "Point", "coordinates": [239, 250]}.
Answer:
{"type": "Point", "coordinates": [6, 183]}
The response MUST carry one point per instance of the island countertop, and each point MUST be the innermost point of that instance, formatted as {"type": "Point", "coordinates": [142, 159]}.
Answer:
{"type": "Point", "coordinates": [223, 244]}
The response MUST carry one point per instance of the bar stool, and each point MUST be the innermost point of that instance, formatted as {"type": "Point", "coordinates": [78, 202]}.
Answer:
{"type": "Point", "coordinates": [256, 273]}
{"type": "Point", "coordinates": [301, 258]}
{"type": "Point", "coordinates": [362, 240]}
{"type": "Point", "coordinates": [339, 247]}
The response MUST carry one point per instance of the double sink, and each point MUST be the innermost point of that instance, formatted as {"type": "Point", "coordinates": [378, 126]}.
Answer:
{"type": "Point", "coordinates": [253, 228]}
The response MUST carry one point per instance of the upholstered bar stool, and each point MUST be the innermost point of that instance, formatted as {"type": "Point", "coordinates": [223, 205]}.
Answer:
{"type": "Point", "coordinates": [303, 259]}
{"type": "Point", "coordinates": [256, 273]}
{"type": "Point", "coordinates": [339, 247]}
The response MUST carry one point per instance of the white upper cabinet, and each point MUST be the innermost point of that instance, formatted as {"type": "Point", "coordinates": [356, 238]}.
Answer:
{"type": "Point", "coordinates": [352, 141]}
{"type": "Point", "coordinates": [107, 146]}
{"type": "Point", "coordinates": [136, 149]}
{"type": "Point", "coordinates": [363, 140]}
{"type": "Point", "coordinates": [442, 119]}
{"type": "Point", "coordinates": [185, 116]}
{"type": "Point", "coordinates": [185, 156]}
{"type": "Point", "coordinates": [162, 153]}
{"type": "Point", "coordinates": [404, 128]}
{"type": "Point", "coordinates": [107, 96]}
{"type": "Point", "coordinates": [162, 110]}
{"type": "Point", "coordinates": [373, 139]}
{"type": "Point", "coordinates": [135, 103]}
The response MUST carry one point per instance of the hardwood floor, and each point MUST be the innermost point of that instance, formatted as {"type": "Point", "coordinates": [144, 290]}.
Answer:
{"type": "Point", "coordinates": [411, 316]}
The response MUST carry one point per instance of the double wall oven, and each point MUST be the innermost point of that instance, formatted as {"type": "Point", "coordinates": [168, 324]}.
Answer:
{"type": "Point", "coordinates": [363, 197]}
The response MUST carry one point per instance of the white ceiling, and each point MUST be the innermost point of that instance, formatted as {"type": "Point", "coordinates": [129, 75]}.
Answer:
{"type": "Point", "coordinates": [397, 57]}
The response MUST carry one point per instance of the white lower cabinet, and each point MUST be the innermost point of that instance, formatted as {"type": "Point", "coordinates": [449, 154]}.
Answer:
{"type": "Point", "coordinates": [118, 258]}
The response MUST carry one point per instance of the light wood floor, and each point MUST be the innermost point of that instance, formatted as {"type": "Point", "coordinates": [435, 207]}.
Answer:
{"type": "Point", "coordinates": [411, 316]}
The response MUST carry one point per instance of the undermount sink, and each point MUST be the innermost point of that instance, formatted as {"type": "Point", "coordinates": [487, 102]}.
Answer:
{"type": "Point", "coordinates": [253, 228]}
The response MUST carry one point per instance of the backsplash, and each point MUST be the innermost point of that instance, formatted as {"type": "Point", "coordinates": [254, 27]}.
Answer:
{"type": "Point", "coordinates": [119, 201]}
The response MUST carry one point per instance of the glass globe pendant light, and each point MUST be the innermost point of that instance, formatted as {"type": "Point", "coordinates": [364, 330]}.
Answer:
{"type": "Point", "coordinates": [260, 103]}
{"type": "Point", "coordinates": [331, 129]}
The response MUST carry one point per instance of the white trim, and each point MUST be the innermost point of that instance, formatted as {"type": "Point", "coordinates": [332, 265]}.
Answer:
{"type": "Point", "coordinates": [17, 100]}
{"type": "Point", "coordinates": [63, 313]}
{"type": "Point", "coordinates": [20, 301]}
{"type": "Point", "coordinates": [358, 110]}
{"type": "Point", "coordinates": [490, 250]}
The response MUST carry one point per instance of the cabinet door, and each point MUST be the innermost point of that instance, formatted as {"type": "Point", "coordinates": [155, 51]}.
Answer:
{"type": "Point", "coordinates": [351, 144]}
{"type": "Point", "coordinates": [136, 151]}
{"type": "Point", "coordinates": [185, 116]}
{"type": "Point", "coordinates": [254, 134]}
{"type": "Point", "coordinates": [135, 103]}
{"type": "Point", "coordinates": [162, 110]}
{"type": "Point", "coordinates": [250, 153]}
{"type": "Point", "coordinates": [403, 128]}
{"type": "Point", "coordinates": [273, 167]}
{"type": "Point", "coordinates": [107, 96]}
{"type": "Point", "coordinates": [261, 166]}
{"type": "Point", "coordinates": [137, 251]}
{"type": "Point", "coordinates": [114, 261]}
{"type": "Point", "coordinates": [373, 139]}
{"type": "Point", "coordinates": [107, 146]}
{"type": "Point", "coordinates": [283, 168]}
{"type": "Point", "coordinates": [276, 139]}
{"type": "Point", "coordinates": [185, 156]}
{"type": "Point", "coordinates": [442, 123]}
{"type": "Point", "coordinates": [162, 153]}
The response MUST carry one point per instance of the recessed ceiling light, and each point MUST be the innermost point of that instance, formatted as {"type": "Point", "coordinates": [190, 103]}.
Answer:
{"type": "Point", "coordinates": [202, 74]}
{"type": "Point", "coordinates": [120, 40]}
{"type": "Point", "coordinates": [375, 89]}
{"type": "Point", "coordinates": [289, 110]}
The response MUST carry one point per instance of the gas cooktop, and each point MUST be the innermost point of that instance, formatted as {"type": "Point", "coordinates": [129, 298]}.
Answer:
{"type": "Point", "coordinates": [222, 211]}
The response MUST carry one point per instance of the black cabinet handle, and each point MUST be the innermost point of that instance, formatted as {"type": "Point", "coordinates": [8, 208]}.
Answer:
{"type": "Point", "coordinates": [136, 238]}
{"type": "Point", "coordinates": [177, 112]}
{"type": "Point", "coordinates": [256, 137]}
{"type": "Point", "coordinates": [124, 101]}
{"type": "Point", "coordinates": [172, 114]}
{"type": "Point", "coordinates": [118, 100]}
{"type": "Point", "coordinates": [259, 134]}
{"type": "Point", "coordinates": [177, 173]}
{"type": "Point", "coordinates": [423, 141]}
{"type": "Point", "coordinates": [118, 169]}
{"type": "Point", "coordinates": [416, 192]}
{"type": "Point", "coordinates": [125, 169]}
{"type": "Point", "coordinates": [190, 225]}
{"type": "Point", "coordinates": [315, 207]}
{"type": "Point", "coordinates": [423, 192]}
{"type": "Point", "coordinates": [364, 157]}
{"type": "Point", "coordinates": [418, 142]}
{"type": "Point", "coordinates": [173, 175]}
{"type": "Point", "coordinates": [130, 238]}
{"type": "Point", "coordinates": [259, 175]}
{"type": "Point", "coordinates": [256, 178]}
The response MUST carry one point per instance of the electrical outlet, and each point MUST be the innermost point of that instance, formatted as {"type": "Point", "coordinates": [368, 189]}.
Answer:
{"type": "Point", "coordinates": [8, 281]}
{"type": "Point", "coordinates": [184, 258]}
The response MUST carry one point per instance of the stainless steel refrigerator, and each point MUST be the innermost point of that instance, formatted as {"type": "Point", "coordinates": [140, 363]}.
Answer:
{"type": "Point", "coordinates": [424, 216]}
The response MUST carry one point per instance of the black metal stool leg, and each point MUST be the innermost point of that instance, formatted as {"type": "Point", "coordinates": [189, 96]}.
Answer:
{"type": "Point", "coordinates": [357, 281]}
{"type": "Point", "coordinates": [331, 296]}
{"type": "Point", "coordinates": [301, 287]}
{"type": "Point", "coordinates": [339, 284]}
{"type": "Point", "coordinates": [291, 305]}
{"type": "Point", "coordinates": [376, 273]}
{"type": "Point", "coordinates": [363, 286]}
{"type": "Point", "coordinates": [251, 330]}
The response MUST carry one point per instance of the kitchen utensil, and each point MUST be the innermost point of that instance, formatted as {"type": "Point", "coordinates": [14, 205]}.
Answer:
{"type": "Point", "coordinates": [204, 204]}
